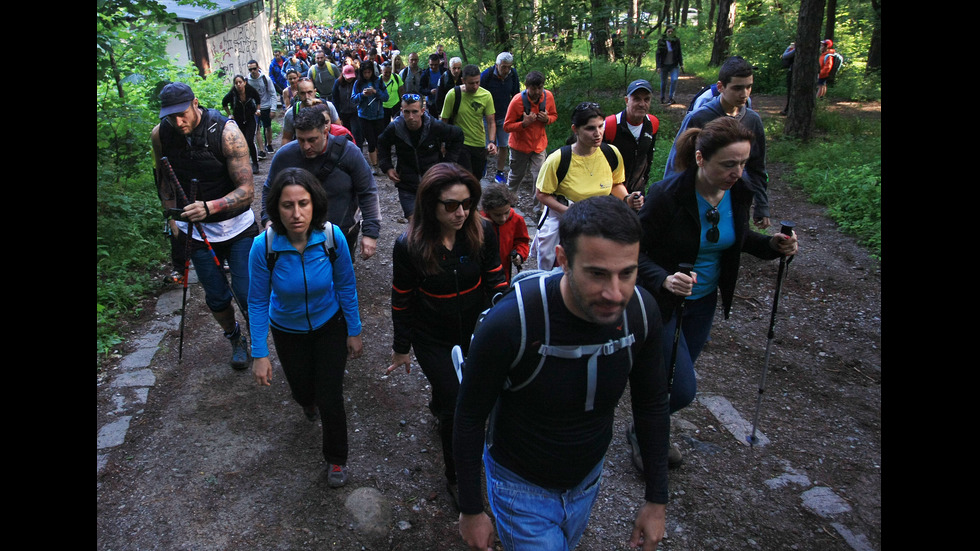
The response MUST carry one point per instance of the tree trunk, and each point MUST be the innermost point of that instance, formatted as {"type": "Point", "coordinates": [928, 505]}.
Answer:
{"type": "Point", "coordinates": [831, 19]}
{"type": "Point", "coordinates": [806, 68]}
{"type": "Point", "coordinates": [874, 51]}
{"type": "Point", "coordinates": [723, 32]}
{"type": "Point", "coordinates": [601, 40]}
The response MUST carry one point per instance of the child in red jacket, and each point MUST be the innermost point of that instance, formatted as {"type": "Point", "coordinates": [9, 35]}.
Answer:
{"type": "Point", "coordinates": [510, 227]}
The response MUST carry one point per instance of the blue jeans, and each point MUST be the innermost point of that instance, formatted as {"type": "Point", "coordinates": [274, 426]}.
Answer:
{"type": "Point", "coordinates": [695, 328]}
{"type": "Point", "coordinates": [673, 81]}
{"type": "Point", "coordinates": [217, 294]}
{"type": "Point", "coordinates": [530, 517]}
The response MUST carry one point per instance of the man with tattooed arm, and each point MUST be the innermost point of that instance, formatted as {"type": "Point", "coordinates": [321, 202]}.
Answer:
{"type": "Point", "coordinates": [210, 160]}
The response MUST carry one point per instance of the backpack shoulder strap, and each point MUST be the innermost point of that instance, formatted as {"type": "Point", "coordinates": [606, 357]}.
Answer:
{"type": "Point", "coordinates": [335, 148]}
{"type": "Point", "coordinates": [457, 100]}
{"type": "Point", "coordinates": [563, 162]}
{"type": "Point", "coordinates": [532, 303]}
{"type": "Point", "coordinates": [610, 155]}
{"type": "Point", "coordinates": [270, 255]}
{"type": "Point", "coordinates": [330, 244]}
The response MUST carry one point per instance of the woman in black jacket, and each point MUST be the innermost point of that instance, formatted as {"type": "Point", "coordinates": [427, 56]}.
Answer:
{"type": "Point", "coordinates": [700, 216]}
{"type": "Point", "coordinates": [445, 268]}
{"type": "Point", "coordinates": [242, 104]}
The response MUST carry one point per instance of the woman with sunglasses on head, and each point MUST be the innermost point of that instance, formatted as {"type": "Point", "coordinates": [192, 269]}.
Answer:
{"type": "Point", "coordinates": [700, 216]}
{"type": "Point", "coordinates": [445, 269]}
{"type": "Point", "coordinates": [592, 169]}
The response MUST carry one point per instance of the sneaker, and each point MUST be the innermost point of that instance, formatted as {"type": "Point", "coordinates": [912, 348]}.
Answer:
{"type": "Point", "coordinates": [239, 350]}
{"type": "Point", "coordinates": [670, 101]}
{"type": "Point", "coordinates": [500, 178]}
{"type": "Point", "coordinates": [261, 154]}
{"type": "Point", "coordinates": [336, 476]}
{"type": "Point", "coordinates": [269, 148]}
{"type": "Point", "coordinates": [310, 412]}
{"type": "Point", "coordinates": [255, 168]}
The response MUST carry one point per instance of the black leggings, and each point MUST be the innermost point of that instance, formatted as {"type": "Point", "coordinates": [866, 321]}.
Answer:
{"type": "Point", "coordinates": [314, 365]}
{"type": "Point", "coordinates": [248, 129]}
{"type": "Point", "coordinates": [372, 129]}
{"type": "Point", "coordinates": [437, 365]}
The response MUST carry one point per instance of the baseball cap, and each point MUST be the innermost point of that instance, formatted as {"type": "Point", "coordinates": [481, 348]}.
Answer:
{"type": "Point", "coordinates": [175, 97]}
{"type": "Point", "coordinates": [349, 71]}
{"type": "Point", "coordinates": [638, 85]}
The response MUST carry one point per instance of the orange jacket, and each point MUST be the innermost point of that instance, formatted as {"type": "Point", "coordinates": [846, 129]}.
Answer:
{"type": "Point", "coordinates": [532, 138]}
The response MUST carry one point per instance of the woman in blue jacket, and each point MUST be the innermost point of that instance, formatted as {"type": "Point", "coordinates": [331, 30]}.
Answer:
{"type": "Point", "coordinates": [302, 285]}
{"type": "Point", "coordinates": [369, 94]}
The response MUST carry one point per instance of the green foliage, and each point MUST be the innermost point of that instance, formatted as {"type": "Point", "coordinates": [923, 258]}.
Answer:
{"type": "Point", "coordinates": [843, 173]}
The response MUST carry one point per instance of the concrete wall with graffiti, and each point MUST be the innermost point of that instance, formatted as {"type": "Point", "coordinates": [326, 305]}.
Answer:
{"type": "Point", "coordinates": [231, 50]}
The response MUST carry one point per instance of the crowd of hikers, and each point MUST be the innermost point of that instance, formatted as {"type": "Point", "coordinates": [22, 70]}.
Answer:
{"type": "Point", "coordinates": [629, 268]}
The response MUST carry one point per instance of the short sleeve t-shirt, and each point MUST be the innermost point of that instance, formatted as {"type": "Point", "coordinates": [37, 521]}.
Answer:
{"type": "Point", "coordinates": [472, 108]}
{"type": "Point", "coordinates": [587, 176]}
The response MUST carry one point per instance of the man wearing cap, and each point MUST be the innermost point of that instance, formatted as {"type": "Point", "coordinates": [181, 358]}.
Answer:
{"type": "Point", "coordinates": [203, 145]}
{"type": "Point", "coordinates": [634, 132]}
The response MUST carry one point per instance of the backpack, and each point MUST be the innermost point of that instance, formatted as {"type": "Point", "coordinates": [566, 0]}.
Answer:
{"type": "Point", "coordinates": [714, 93]}
{"type": "Point", "coordinates": [837, 61]}
{"type": "Point", "coordinates": [609, 134]}
{"type": "Point", "coordinates": [533, 308]}
{"type": "Point", "coordinates": [457, 99]}
{"type": "Point", "coordinates": [562, 170]}
{"type": "Point", "coordinates": [542, 107]}
{"type": "Point", "coordinates": [271, 256]}
{"type": "Point", "coordinates": [566, 159]}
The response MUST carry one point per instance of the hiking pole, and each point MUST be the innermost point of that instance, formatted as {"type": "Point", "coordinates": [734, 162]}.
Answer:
{"type": "Point", "coordinates": [787, 230]}
{"type": "Point", "coordinates": [200, 230]}
{"type": "Point", "coordinates": [183, 300]}
{"type": "Point", "coordinates": [685, 268]}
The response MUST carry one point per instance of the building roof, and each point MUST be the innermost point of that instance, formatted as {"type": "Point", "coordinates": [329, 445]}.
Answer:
{"type": "Point", "coordinates": [197, 13]}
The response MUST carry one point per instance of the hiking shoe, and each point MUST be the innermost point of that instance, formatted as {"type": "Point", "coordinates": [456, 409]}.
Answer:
{"type": "Point", "coordinates": [239, 350]}
{"type": "Point", "coordinates": [674, 458]}
{"type": "Point", "coordinates": [336, 476]}
{"type": "Point", "coordinates": [500, 178]}
{"type": "Point", "coordinates": [634, 448]}
{"type": "Point", "coordinates": [310, 412]}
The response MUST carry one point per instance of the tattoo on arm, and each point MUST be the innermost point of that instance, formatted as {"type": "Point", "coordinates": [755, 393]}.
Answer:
{"type": "Point", "coordinates": [239, 169]}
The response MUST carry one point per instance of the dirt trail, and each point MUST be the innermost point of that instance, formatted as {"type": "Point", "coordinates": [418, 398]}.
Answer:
{"type": "Point", "coordinates": [211, 461]}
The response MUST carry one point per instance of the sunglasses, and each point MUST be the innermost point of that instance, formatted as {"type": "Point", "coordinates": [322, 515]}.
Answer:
{"type": "Point", "coordinates": [586, 105]}
{"type": "Point", "coordinates": [713, 217]}
{"type": "Point", "coordinates": [411, 98]}
{"type": "Point", "coordinates": [452, 206]}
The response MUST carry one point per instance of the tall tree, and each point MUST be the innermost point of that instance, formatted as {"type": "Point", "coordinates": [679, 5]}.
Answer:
{"type": "Point", "coordinates": [725, 25]}
{"type": "Point", "coordinates": [601, 39]}
{"type": "Point", "coordinates": [831, 19]}
{"type": "Point", "coordinates": [874, 51]}
{"type": "Point", "coordinates": [806, 68]}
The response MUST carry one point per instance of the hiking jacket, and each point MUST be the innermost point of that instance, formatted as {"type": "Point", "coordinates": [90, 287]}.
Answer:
{"type": "Point", "coordinates": [240, 110]}
{"type": "Point", "coordinates": [826, 63]}
{"type": "Point", "coordinates": [661, 55]}
{"type": "Point", "coordinates": [512, 236]}
{"type": "Point", "coordinates": [502, 90]}
{"type": "Point", "coordinates": [414, 160]}
{"type": "Point", "coordinates": [672, 235]}
{"type": "Point", "coordinates": [755, 170]}
{"type": "Point", "coordinates": [443, 307]}
{"type": "Point", "coordinates": [369, 107]}
{"type": "Point", "coordinates": [637, 153]}
{"type": "Point", "coordinates": [304, 290]}
{"type": "Point", "coordinates": [532, 138]}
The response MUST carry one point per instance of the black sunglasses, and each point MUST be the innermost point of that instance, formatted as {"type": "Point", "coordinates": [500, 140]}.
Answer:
{"type": "Point", "coordinates": [713, 217]}
{"type": "Point", "coordinates": [452, 205]}
{"type": "Point", "coordinates": [586, 105]}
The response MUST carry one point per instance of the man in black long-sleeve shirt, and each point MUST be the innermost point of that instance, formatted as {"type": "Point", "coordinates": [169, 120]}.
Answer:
{"type": "Point", "coordinates": [556, 384]}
